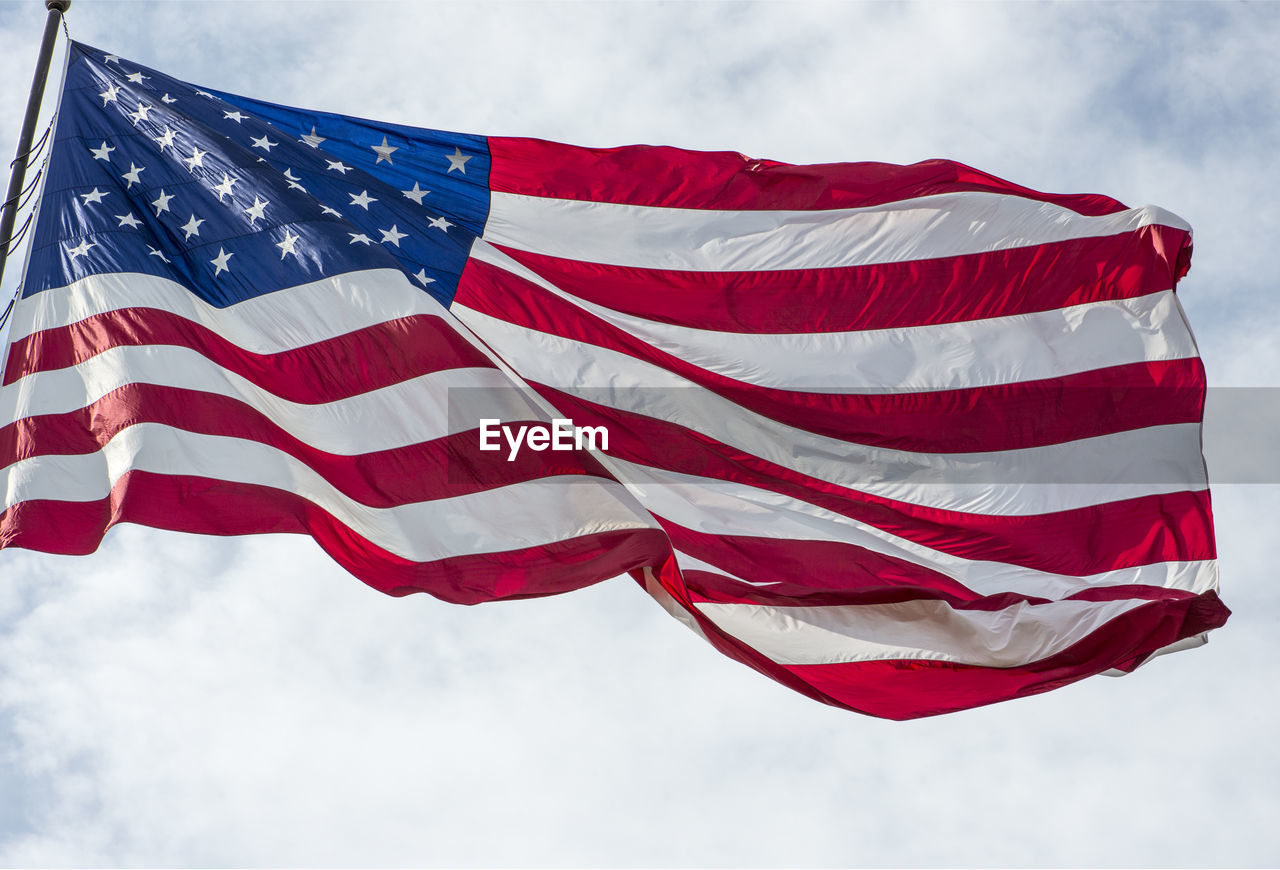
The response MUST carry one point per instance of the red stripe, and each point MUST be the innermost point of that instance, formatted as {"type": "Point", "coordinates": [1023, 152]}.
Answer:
{"type": "Point", "coordinates": [980, 419]}
{"type": "Point", "coordinates": [800, 577]}
{"type": "Point", "coordinates": [809, 572]}
{"type": "Point", "coordinates": [880, 296]}
{"type": "Point", "coordinates": [440, 468]}
{"type": "Point", "coordinates": [715, 588]}
{"type": "Point", "coordinates": [1168, 527]}
{"type": "Point", "coordinates": [912, 689]}
{"type": "Point", "coordinates": [216, 507]}
{"type": "Point", "coordinates": [347, 365]}
{"type": "Point", "coordinates": [909, 689]}
{"type": "Point", "coordinates": [821, 571]}
{"type": "Point", "coordinates": [676, 178]}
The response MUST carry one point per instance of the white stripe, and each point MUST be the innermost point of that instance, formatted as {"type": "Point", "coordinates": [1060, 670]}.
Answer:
{"type": "Point", "coordinates": [421, 409]}
{"type": "Point", "coordinates": [947, 356]}
{"type": "Point", "coordinates": [1033, 480]}
{"type": "Point", "coordinates": [506, 518]}
{"type": "Point", "coordinates": [717, 507]}
{"type": "Point", "coordinates": [923, 629]}
{"type": "Point", "coordinates": [289, 318]}
{"type": "Point", "coordinates": [707, 240]}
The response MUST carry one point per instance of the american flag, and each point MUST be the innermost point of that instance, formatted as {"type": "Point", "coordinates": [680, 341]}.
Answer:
{"type": "Point", "coordinates": [907, 439]}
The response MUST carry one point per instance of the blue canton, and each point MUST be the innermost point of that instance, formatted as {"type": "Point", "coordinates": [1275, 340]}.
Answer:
{"type": "Point", "coordinates": [235, 197]}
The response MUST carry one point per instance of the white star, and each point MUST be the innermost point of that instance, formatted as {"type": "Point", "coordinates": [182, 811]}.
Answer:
{"type": "Point", "coordinates": [168, 100]}
{"type": "Point", "coordinates": [193, 227]}
{"type": "Point", "coordinates": [128, 220]}
{"type": "Point", "coordinates": [440, 224]}
{"type": "Point", "coordinates": [164, 139]}
{"type": "Point", "coordinates": [132, 175]}
{"type": "Point", "coordinates": [162, 204]}
{"type": "Point", "coordinates": [255, 211]}
{"type": "Point", "coordinates": [102, 151]}
{"type": "Point", "coordinates": [286, 247]}
{"type": "Point", "coordinates": [156, 253]}
{"type": "Point", "coordinates": [384, 151]}
{"type": "Point", "coordinates": [416, 194]}
{"type": "Point", "coordinates": [138, 78]}
{"type": "Point", "coordinates": [359, 237]}
{"type": "Point", "coordinates": [234, 116]}
{"type": "Point", "coordinates": [312, 139]}
{"type": "Point", "coordinates": [220, 262]}
{"type": "Point", "coordinates": [109, 95]}
{"type": "Point", "coordinates": [264, 143]}
{"type": "Point", "coordinates": [324, 209]}
{"type": "Point", "coordinates": [362, 200]}
{"type": "Point", "coordinates": [140, 113]}
{"type": "Point", "coordinates": [224, 189]}
{"type": "Point", "coordinates": [94, 196]}
{"type": "Point", "coordinates": [338, 166]}
{"type": "Point", "coordinates": [111, 58]}
{"type": "Point", "coordinates": [393, 236]}
{"type": "Point", "coordinates": [422, 276]}
{"type": "Point", "coordinates": [196, 159]}
{"type": "Point", "coordinates": [81, 249]}
{"type": "Point", "coordinates": [293, 180]}
{"type": "Point", "coordinates": [457, 160]}
{"type": "Point", "coordinates": [200, 93]}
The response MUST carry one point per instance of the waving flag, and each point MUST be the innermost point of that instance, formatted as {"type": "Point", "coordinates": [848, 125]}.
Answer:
{"type": "Point", "coordinates": [907, 439]}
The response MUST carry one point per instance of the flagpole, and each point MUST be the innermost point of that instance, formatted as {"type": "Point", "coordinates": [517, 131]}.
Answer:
{"type": "Point", "coordinates": [18, 176]}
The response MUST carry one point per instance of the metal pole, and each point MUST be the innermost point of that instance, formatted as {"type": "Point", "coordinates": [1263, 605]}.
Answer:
{"type": "Point", "coordinates": [19, 175]}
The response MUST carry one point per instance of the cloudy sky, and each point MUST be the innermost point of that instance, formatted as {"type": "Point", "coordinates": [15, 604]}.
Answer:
{"type": "Point", "coordinates": [177, 700]}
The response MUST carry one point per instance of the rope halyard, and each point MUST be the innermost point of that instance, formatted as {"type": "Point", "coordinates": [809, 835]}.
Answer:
{"type": "Point", "coordinates": [17, 177]}
{"type": "Point", "coordinates": [34, 151]}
